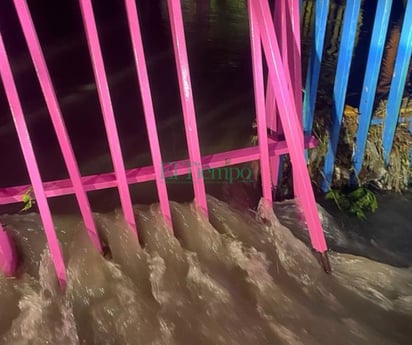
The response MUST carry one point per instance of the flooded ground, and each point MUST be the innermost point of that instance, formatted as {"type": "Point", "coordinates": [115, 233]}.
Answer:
{"type": "Point", "coordinates": [235, 280]}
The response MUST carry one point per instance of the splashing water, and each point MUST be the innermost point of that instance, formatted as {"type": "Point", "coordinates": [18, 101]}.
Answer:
{"type": "Point", "coordinates": [233, 280]}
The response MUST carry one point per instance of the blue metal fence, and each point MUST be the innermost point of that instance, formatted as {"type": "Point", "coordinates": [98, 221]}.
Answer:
{"type": "Point", "coordinates": [398, 82]}
{"type": "Point", "coordinates": [370, 79]}
{"type": "Point", "coordinates": [376, 48]}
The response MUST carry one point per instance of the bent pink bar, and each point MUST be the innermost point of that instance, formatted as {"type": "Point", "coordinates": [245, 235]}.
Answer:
{"type": "Point", "coordinates": [143, 78]}
{"type": "Point", "coordinates": [107, 110]}
{"type": "Point", "coordinates": [46, 85]}
{"type": "Point", "coordinates": [12, 195]}
{"type": "Point", "coordinates": [259, 90]}
{"type": "Point", "coordinates": [290, 122]}
{"type": "Point", "coordinates": [31, 164]}
{"type": "Point", "coordinates": [186, 96]}
{"type": "Point", "coordinates": [8, 256]}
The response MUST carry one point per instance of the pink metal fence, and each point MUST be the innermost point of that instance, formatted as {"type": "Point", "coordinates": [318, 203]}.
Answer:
{"type": "Point", "coordinates": [283, 93]}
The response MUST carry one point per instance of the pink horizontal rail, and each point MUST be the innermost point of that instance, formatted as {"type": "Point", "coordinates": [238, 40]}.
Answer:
{"type": "Point", "coordinates": [56, 117]}
{"type": "Point", "coordinates": [290, 121]}
{"type": "Point", "coordinates": [107, 110]}
{"type": "Point", "coordinates": [143, 78]}
{"type": "Point", "coordinates": [31, 164]}
{"type": "Point", "coordinates": [186, 96]}
{"type": "Point", "coordinates": [56, 188]}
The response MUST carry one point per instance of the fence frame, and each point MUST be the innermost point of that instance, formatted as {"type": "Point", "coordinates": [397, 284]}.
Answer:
{"type": "Point", "coordinates": [284, 86]}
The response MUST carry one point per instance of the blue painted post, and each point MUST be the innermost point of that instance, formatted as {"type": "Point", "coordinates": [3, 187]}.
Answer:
{"type": "Point", "coordinates": [377, 45]}
{"type": "Point", "coordinates": [350, 22]}
{"type": "Point", "coordinates": [315, 60]}
{"type": "Point", "coordinates": [398, 83]}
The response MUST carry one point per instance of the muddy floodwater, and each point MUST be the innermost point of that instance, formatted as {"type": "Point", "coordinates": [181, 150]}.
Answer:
{"type": "Point", "coordinates": [234, 280]}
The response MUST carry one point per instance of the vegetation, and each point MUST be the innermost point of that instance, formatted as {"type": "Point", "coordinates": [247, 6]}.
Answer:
{"type": "Point", "coordinates": [396, 175]}
{"type": "Point", "coordinates": [357, 202]}
{"type": "Point", "coordinates": [28, 200]}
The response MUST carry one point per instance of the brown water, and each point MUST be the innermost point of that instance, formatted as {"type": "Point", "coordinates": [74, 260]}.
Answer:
{"type": "Point", "coordinates": [235, 280]}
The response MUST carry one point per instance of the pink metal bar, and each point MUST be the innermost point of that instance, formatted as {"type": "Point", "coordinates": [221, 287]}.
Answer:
{"type": "Point", "coordinates": [12, 195]}
{"type": "Point", "coordinates": [182, 67]}
{"type": "Point", "coordinates": [107, 110]}
{"type": "Point", "coordinates": [290, 122]}
{"type": "Point", "coordinates": [280, 20]}
{"type": "Point", "coordinates": [275, 170]}
{"type": "Point", "coordinates": [259, 90]}
{"type": "Point", "coordinates": [281, 26]}
{"type": "Point", "coordinates": [31, 163]}
{"type": "Point", "coordinates": [273, 121]}
{"type": "Point", "coordinates": [286, 18]}
{"type": "Point", "coordinates": [271, 114]}
{"type": "Point", "coordinates": [8, 256]}
{"type": "Point", "coordinates": [292, 13]}
{"type": "Point", "coordinates": [148, 107]}
{"type": "Point", "coordinates": [270, 106]}
{"type": "Point", "coordinates": [56, 117]}
{"type": "Point", "coordinates": [295, 64]}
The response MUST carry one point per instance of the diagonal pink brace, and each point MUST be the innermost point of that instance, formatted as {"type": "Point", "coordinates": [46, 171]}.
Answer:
{"type": "Point", "coordinates": [291, 125]}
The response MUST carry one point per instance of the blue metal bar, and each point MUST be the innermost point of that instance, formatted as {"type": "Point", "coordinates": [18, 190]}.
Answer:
{"type": "Point", "coordinates": [315, 60]}
{"type": "Point", "coordinates": [350, 22]}
{"type": "Point", "coordinates": [398, 83]}
{"type": "Point", "coordinates": [380, 28]}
